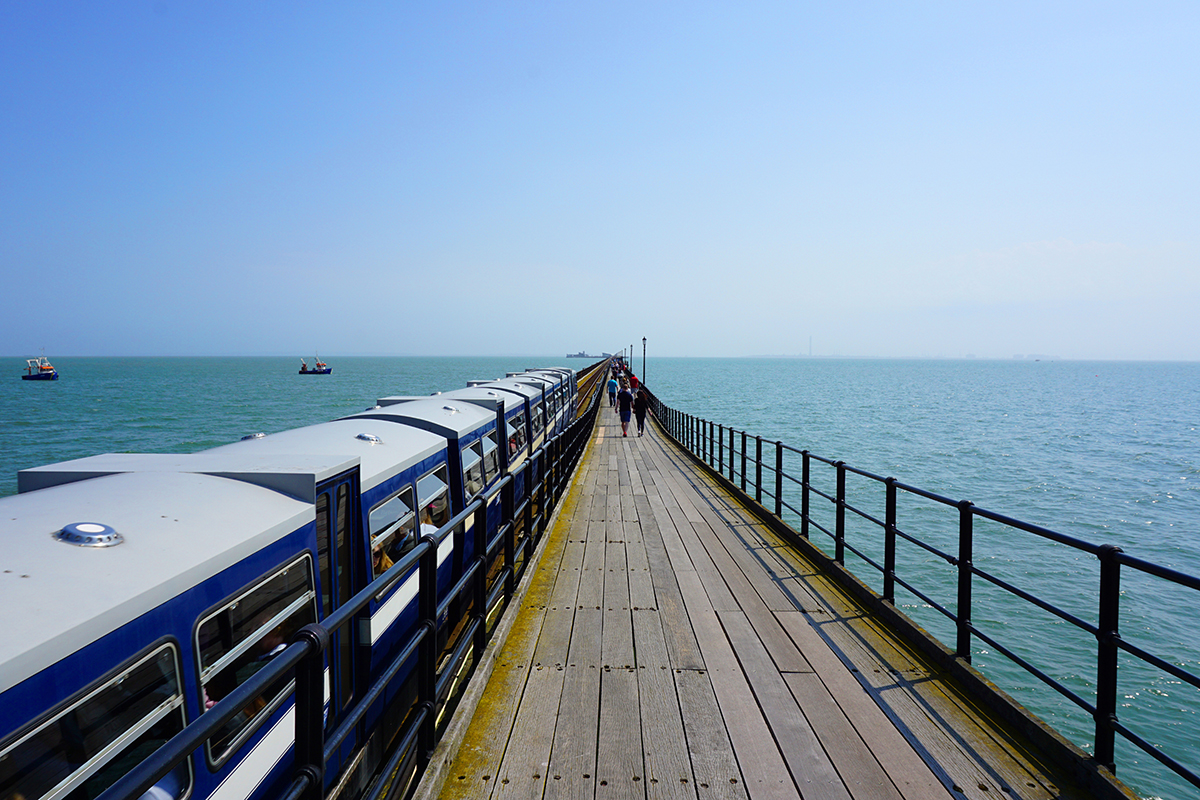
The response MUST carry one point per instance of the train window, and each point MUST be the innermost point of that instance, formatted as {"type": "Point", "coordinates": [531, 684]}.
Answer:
{"type": "Point", "coordinates": [491, 457]}
{"type": "Point", "coordinates": [323, 560]}
{"type": "Point", "coordinates": [538, 423]}
{"type": "Point", "coordinates": [393, 523]}
{"type": "Point", "coordinates": [86, 747]}
{"type": "Point", "coordinates": [516, 434]}
{"type": "Point", "coordinates": [472, 466]}
{"type": "Point", "coordinates": [434, 500]}
{"type": "Point", "coordinates": [243, 636]}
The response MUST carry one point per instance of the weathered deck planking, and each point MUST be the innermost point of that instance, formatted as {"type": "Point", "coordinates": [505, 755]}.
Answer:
{"type": "Point", "coordinates": [670, 646]}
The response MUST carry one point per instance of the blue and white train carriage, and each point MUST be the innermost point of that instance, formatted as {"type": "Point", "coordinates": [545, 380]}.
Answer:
{"type": "Point", "coordinates": [139, 590]}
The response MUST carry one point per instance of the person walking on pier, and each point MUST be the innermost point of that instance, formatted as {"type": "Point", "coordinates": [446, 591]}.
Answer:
{"type": "Point", "coordinates": [641, 405]}
{"type": "Point", "coordinates": [612, 391]}
{"type": "Point", "coordinates": [625, 406]}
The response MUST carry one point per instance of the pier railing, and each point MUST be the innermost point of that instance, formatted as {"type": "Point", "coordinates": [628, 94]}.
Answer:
{"type": "Point", "coordinates": [785, 484]}
{"type": "Point", "coordinates": [438, 653]}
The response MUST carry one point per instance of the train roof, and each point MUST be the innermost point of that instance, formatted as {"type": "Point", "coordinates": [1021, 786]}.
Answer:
{"type": "Point", "coordinates": [392, 449]}
{"type": "Point", "coordinates": [484, 397]}
{"type": "Point", "coordinates": [178, 528]}
{"type": "Point", "coordinates": [439, 414]}
{"type": "Point", "coordinates": [565, 372]}
{"type": "Point", "coordinates": [523, 389]}
{"type": "Point", "coordinates": [291, 474]}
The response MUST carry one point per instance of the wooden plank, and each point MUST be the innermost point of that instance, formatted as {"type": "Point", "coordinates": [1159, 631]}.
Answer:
{"type": "Point", "coordinates": [744, 545]}
{"type": "Point", "coordinates": [810, 766]}
{"type": "Point", "coordinates": [939, 746]}
{"type": "Point", "coordinates": [672, 542]}
{"type": "Point", "coordinates": [766, 774]}
{"type": "Point", "coordinates": [666, 765]}
{"type": "Point", "coordinates": [714, 766]}
{"type": "Point", "coordinates": [719, 594]}
{"type": "Point", "coordinates": [526, 760]}
{"type": "Point", "coordinates": [616, 645]}
{"type": "Point", "coordinates": [573, 755]}
{"type": "Point", "coordinates": [619, 764]}
{"type": "Point", "coordinates": [591, 573]}
{"type": "Point", "coordinates": [861, 773]}
{"type": "Point", "coordinates": [566, 582]}
{"type": "Point", "coordinates": [910, 774]}
{"type": "Point", "coordinates": [743, 589]}
{"type": "Point", "coordinates": [641, 585]}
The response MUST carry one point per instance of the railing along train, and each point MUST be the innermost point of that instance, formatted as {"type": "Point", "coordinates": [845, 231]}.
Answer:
{"type": "Point", "coordinates": [739, 458]}
{"type": "Point", "coordinates": [550, 468]}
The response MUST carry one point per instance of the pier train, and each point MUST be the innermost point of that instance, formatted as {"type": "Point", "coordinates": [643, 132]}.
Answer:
{"type": "Point", "coordinates": [138, 590]}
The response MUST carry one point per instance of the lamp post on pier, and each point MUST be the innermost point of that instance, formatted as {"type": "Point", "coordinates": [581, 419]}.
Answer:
{"type": "Point", "coordinates": [643, 359]}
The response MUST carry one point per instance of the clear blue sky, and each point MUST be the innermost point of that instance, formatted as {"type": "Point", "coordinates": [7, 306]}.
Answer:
{"type": "Point", "coordinates": [934, 179]}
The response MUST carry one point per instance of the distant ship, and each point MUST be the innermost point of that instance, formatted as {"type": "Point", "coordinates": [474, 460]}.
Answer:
{"type": "Point", "coordinates": [583, 354]}
{"type": "Point", "coordinates": [321, 368]}
{"type": "Point", "coordinates": [39, 369]}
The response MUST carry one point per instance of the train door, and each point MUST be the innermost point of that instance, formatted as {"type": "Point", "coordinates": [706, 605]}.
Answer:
{"type": "Point", "coordinates": [339, 554]}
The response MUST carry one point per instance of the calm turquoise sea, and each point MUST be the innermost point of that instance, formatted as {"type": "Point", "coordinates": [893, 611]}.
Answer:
{"type": "Point", "coordinates": [1102, 451]}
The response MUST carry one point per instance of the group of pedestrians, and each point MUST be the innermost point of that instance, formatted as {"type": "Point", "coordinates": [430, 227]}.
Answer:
{"type": "Point", "coordinates": [622, 397]}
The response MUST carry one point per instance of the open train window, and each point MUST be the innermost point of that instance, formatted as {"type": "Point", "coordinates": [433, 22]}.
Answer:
{"type": "Point", "coordinates": [84, 748]}
{"type": "Point", "coordinates": [393, 530]}
{"type": "Point", "coordinates": [242, 636]}
{"type": "Point", "coordinates": [491, 458]}
{"type": "Point", "coordinates": [434, 500]}
{"type": "Point", "coordinates": [472, 467]}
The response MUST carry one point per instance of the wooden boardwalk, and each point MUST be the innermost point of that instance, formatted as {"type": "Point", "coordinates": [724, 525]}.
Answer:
{"type": "Point", "coordinates": [671, 646]}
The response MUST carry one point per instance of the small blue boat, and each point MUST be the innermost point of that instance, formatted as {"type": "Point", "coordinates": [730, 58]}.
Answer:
{"type": "Point", "coordinates": [39, 369]}
{"type": "Point", "coordinates": [319, 368]}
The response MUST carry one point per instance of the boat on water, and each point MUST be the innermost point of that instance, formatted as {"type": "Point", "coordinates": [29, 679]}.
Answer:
{"type": "Point", "coordinates": [39, 369]}
{"type": "Point", "coordinates": [319, 367]}
{"type": "Point", "coordinates": [580, 354]}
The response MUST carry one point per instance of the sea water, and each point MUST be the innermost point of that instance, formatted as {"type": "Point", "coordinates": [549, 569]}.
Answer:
{"type": "Point", "coordinates": [1107, 452]}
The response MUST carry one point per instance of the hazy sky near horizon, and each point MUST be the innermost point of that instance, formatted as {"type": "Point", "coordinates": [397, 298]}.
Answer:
{"type": "Point", "coordinates": [929, 179]}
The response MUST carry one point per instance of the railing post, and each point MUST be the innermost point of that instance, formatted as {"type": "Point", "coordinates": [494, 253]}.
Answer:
{"type": "Point", "coordinates": [480, 583]}
{"type": "Point", "coordinates": [743, 462]}
{"type": "Point", "coordinates": [839, 549]}
{"type": "Point", "coordinates": [508, 514]}
{"type": "Point", "coordinates": [804, 494]}
{"type": "Point", "coordinates": [310, 705]}
{"type": "Point", "coordinates": [966, 546]}
{"type": "Point", "coordinates": [731, 464]}
{"type": "Point", "coordinates": [709, 434]}
{"type": "Point", "coordinates": [758, 469]}
{"type": "Point", "coordinates": [1107, 634]}
{"type": "Point", "coordinates": [720, 448]}
{"type": "Point", "coordinates": [889, 543]}
{"type": "Point", "coordinates": [779, 479]}
{"type": "Point", "coordinates": [427, 604]}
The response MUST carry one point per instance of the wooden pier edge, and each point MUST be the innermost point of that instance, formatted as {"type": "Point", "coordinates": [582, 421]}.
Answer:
{"type": "Point", "coordinates": [1075, 762]}
{"type": "Point", "coordinates": [431, 780]}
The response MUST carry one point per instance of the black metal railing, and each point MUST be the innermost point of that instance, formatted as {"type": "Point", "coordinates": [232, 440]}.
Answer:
{"type": "Point", "coordinates": [549, 470]}
{"type": "Point", "coordinates": [757, 469]}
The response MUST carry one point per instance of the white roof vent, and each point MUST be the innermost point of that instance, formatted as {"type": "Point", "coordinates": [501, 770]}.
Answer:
{"type": "Point", "coordinates": [369, 437]}
{"type": "Point", "coordinates": [89, 534]}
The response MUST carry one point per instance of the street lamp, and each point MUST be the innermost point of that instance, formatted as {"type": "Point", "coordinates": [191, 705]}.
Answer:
{"type": "Point", "coordinates": [643, 360]}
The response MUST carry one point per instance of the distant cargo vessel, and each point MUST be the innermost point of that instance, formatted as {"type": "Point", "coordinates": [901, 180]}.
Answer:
{"type": "Point", "coordinates": [583, 354]}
